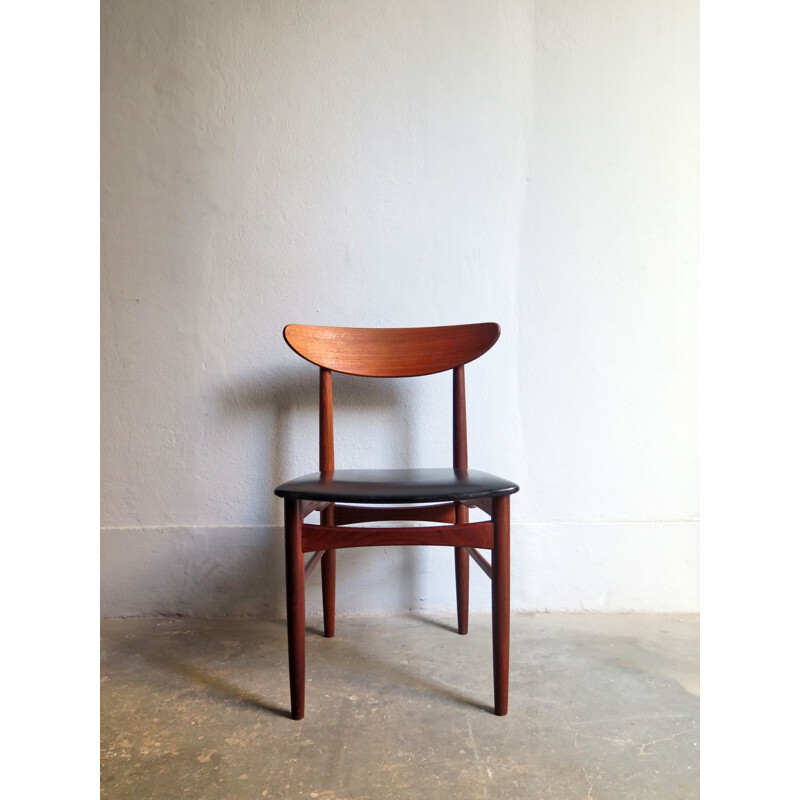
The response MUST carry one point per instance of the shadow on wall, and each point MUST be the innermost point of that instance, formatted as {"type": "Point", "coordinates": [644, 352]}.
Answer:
{"type": "Point", "coordinates": [289, 398]}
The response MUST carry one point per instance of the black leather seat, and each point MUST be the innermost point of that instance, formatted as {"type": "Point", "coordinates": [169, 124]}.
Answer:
{"type": "Point", "coordinates": [396, 485]}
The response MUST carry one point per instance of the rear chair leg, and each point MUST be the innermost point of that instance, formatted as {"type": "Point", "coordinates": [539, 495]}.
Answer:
{"type": "Point", "coordinates": [295, 605]}
{"type": "Point", "coordinates": [329, 591]}
{"type": "Point", "coordinates": [462, 574]}
{"type": "Point", "coordinates": [501, 601]}
{"type": "Point", "coordinates": [462, 588]}
{"type": "Point", "coordinates": [328, 517]}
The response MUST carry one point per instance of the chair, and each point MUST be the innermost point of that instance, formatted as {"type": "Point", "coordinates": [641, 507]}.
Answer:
{"type": "Point", "coordinates": [449, 493]}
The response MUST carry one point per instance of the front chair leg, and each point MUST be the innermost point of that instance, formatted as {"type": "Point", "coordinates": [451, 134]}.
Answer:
{"type": "Point", "coordinates": [501, 600]}
{"type": "Point", "coordinates": [295, 605]}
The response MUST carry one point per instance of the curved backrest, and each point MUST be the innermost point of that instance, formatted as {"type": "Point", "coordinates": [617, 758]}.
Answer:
{"type": "Point", "coordinates": [391, 352]}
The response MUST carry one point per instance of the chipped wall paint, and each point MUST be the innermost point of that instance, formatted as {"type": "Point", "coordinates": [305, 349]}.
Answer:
{"type": "Point", "coordinates": [415, 163]}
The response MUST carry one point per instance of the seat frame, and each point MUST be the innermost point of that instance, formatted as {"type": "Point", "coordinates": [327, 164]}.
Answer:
{"type": "Point", "coordinates": [423, 356]}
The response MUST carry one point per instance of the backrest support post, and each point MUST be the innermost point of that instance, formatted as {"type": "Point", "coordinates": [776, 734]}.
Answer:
{"type": "Point", "coordinates": [459, 419]}
{"type": "Point", "coordinates": [326, 460]}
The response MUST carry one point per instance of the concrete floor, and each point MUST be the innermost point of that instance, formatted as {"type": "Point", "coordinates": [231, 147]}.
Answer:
{"type": "Point", "coordinates": [601, 706]}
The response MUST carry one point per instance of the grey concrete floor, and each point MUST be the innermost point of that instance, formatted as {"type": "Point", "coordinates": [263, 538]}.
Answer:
{"type": "Point", "coordinates": [601, 706]}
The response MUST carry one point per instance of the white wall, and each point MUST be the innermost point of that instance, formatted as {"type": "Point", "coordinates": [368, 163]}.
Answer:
{"type": "Point", "coordinates": [399, 163]}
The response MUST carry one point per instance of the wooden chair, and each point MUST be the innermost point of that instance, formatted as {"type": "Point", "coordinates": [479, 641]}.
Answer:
{"type": "Point", "coordinates": [394, 353]}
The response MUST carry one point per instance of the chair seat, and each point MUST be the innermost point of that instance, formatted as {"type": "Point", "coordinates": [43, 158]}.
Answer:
{"type": "Point", "coordinates": [396, 485]}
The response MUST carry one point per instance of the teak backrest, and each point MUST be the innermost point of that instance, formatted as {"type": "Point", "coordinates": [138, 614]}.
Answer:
{"type": "Point", "coordinates": [391, 353]}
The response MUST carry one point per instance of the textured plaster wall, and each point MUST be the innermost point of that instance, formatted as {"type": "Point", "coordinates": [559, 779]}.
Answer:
{"type": "Point", "coordinates": [399, 163]}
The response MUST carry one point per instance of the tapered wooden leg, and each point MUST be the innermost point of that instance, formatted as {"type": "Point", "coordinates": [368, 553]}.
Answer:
{"type": "Point", "coordinates": [329, 591]}
{"type": "Point", "coordinates": [462, 575]}
{"type": "Point", "coordinates": [462, 589]}
{"type": "Point", "coordinates": [328, 517]}
{"type": "Point", "coordinates": [295, 606]}
{"type": "Point", "coordinates": [501, 600]}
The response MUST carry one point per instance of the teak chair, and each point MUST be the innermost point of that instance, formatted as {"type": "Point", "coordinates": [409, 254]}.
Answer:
{"type": "Point", "coordinates": [394, 353]}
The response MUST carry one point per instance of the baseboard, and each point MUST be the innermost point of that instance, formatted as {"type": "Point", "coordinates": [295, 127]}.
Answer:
{"type": "Point", "coordinates": [238, 571]}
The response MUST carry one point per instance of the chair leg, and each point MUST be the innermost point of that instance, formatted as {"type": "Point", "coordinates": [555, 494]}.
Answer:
{"type": "Point", "coordinates": [462, 574]}
{"type": "Point", "coordinates": [501, 601]}
{"type": "Point", "coordinates": [328, 517]}
{"type": "Point", "coordinates": [462, 588]}
{"type": "Point", "coordinates": [295, 606]}
{"type": "Point", "coordinates": [329, 591]}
